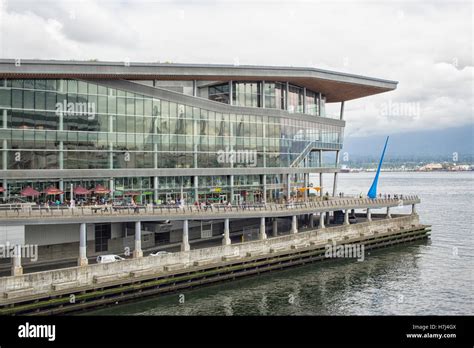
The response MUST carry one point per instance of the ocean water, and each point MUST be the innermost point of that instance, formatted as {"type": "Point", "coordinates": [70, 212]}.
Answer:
{"type": "Point", "coordinates": [434, 277]}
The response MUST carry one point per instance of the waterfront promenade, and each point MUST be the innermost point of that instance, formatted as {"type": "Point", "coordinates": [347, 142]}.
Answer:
{"type": "Point", "coordinates": [30, 214]}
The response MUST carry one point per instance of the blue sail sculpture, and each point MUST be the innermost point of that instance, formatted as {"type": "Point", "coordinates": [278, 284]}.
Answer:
{"type": "Point", "coordinates": [373, 189]}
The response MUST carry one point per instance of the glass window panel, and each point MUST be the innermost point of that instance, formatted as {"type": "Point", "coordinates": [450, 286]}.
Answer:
{"type": "Point", "coordinates": [102, 90]}
{"type": "Point", "coordinates": [139, 106]}
{"type": "Point", "coordinates": [29, 84]}
{"type": "Point", "coordinates": [130, 106]}
{"type": "Point", "coordinates": [82, 87]}
{"type": "Point", "coordinates": [92, 88]}
{"type": "Point", "coordinates": [40, 100]}
{"type": "Point", "coordinates": [40, 84]}
{"type": "Point", "coordinates": [71, 86]}
{"type": "Point", "coordinates": [17, 83]}
{"type": "Point", "coordinates": [50, 101]}
{"type": "Point", "coordinates": [102, 105]}
{"type": "Point", "coordinates": [5, 97]}
{"type": "Point", "coordinates": [17, 98]}
{"type": "Point", "coordinates": [130, 124]}
{"type": "Point", "coordinates": [121, 106]}
{"type": "Point", "coordinates": [111, 104]}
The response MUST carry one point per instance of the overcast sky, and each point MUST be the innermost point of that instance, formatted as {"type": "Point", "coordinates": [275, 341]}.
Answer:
{"type": "Point", "coordinates": [426, 46]}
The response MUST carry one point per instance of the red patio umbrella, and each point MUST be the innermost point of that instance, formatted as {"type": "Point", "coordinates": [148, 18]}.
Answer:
{"type": "Point", "coordinates": [79, 190]}
{"type": "Point", "coordinates": [29, 192]}
{"type": "Point", "coordinates": [53, 191]}
{"type": "Point", "coordinates": [99, 189]}
{"type": "Point", "coordinates": [2, 189]}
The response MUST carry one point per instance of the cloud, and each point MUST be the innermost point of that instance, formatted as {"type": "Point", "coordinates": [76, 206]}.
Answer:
{"type": "Point", "coordinates": [426, 46]}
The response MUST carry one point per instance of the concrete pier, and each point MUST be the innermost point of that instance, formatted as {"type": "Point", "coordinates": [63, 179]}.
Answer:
{"type": "Point", "coordinates": [262, 235]}
{"type": "Point", "coordinates": [275, 227]}
{"type": "Point", "coordinates": [177, 266]}
{"type": "Point", "coordinates": [346, 217]}
{"type": "Point", "coordinates": [369, 215]}
{"type": "Point", "coordinates": [185, 243]}
{"type": "Point", "coordinates": [82, 245]}
{"type": "Point", "coordinates": [294, 224]}
{"type": "Point", "coordinates": [389, 216]}
{"type": "Point", "coordinates": [137, 252]}
{"type": "Point", "coordinates": [17, 269]}
{"type": "Point", "coordinates": [311, 220]}
{"type": "Point", "coordinates": [413, 209]}
{"type": "Point", "coordinates": [226, 239]}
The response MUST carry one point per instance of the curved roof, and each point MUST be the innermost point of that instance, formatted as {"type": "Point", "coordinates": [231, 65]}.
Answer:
{"type": "Point", "coordinates": [337, 86]}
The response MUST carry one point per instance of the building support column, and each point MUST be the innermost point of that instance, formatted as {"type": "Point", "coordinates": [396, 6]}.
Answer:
{"type": "Point", "coordinates": [294, 224]}
{"type": "Point", "coordinates": [321, 189]}
{"type": "Point", "coordinates": [155, 189]}
{"type": "Point", "coordinates": [82, 245]}
{"type": "Point", "coordinates": [369, 215]}
{"type": "Point", "coordinates": [262, 235]}
{"type": "Point", "coordinates": [231, 92]}
{"type": "Point", "coordinates": [185, 244]}
{"type": "Point", "coordinates": [306, 184]}
{"type": "Point", "coordinates": [413, 209]}
{"type": "Point", "coordinates": [5, 186]}
{"type": "Point", "coordinates": [320, 96]}
{"type": "Point", "coordinates": [311, 220]}
{"type": "Point", "coordinates": [389, 216]}
{"type": "Point", "coordinates": [226, 239]}
{"type": "Point", "coordinates": [112, 187]}
{"type": "Point", "coordinates": [275, 227]}
{"type": "Point", "coordinates": [264, 187]}
{"type": "Point", "coordinates": [155, 155]}
{"type": "Point", "coordinates": [17, 269]}
{"type": "Point", "coordinates": [231, 179]}
{"type": "Point", "coordinates": [194, 88]}
{"type": "Point", "coordinates": [195, 153]}
{"type": "Point", "coordinates": [288, 187]}
{"type": "Point", "coordinates": [5, 152]}
{"type": "Point", "coordinates": [305, 107]}
{"type": "Point", "coordinates": [137, 252]}
{"type": "Point", "coordinates": [196, 188]}
{"type": "Point", "coordinates": [61, 153]}
{"type": "Point", "coordinates": [111, 155]}
{"type": "Point", "coordinates": [321, 219]}
{"type": "Point", "coordinates": [346, 217]}
{"type": "Point", "coordinates": [61, 187]}
{"type": "Point", "coordinates": [334, 187]}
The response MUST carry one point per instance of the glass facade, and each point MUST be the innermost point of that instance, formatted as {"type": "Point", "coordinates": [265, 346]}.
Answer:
{"type": "Point", "coordinates": [65, 124]}
{"type": "Point", "coordinates": [247, 94]}
{"type": "Point", "coordinates": [129, 130]}
{"type": "Point", "coordinates": [271, 95]}
{"type": "Point", "coordinates": [275, 95]}
{"type": "Point", "coordinates": [295, 99]}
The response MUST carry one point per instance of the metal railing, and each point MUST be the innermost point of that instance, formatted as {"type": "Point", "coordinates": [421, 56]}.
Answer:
{"type": "Point", "coordinates": [12, 211]}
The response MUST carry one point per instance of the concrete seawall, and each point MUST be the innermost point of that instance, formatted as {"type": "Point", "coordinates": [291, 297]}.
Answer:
{"type": "Point", "coordinates": [47, 283]}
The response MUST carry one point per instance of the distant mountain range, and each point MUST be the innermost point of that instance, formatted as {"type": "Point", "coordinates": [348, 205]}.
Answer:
{"type": "Point", "coordinates": [435, 145]}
